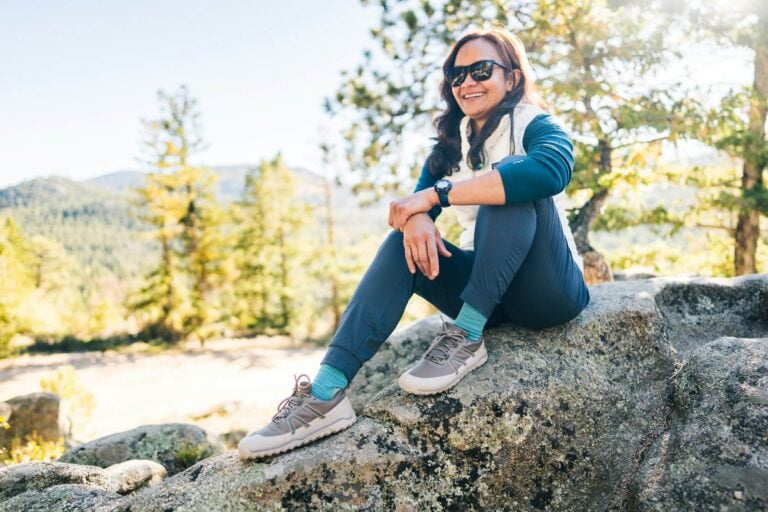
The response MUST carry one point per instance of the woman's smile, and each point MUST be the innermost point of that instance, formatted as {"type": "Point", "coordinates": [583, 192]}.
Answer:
{"type": "Point", "coordinates": [473, 96]}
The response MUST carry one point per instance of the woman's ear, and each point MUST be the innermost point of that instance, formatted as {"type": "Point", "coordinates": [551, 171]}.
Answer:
{"type": "Point", "coordinates": [514, 78]}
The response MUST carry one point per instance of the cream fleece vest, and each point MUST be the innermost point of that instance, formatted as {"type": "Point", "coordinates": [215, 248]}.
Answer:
{"type": "Point", "coordinates": [497, 146]}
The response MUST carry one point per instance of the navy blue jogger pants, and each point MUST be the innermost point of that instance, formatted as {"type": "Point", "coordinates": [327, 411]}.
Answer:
{"type": "Point", "coordinates": [521, 271]}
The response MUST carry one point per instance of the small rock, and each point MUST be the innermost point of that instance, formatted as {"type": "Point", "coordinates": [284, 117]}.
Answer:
{"type": "Point", "coordinates": [20, 478]}
{"type": "Point", "coordinates": [35, 412]}
{"type": "Point", "coordinates": [174, 445]}
{"type": "Point", "coordinates": [131, 475]}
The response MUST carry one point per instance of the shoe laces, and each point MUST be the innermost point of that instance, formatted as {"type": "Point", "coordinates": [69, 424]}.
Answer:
{"type": "Point", "coordinates": [444, 344]}
{"type": "Point", "coordinates": [300, 392]}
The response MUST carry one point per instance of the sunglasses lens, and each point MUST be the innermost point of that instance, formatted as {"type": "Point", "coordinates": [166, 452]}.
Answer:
{"type": "Point", "coordinates": [458, 77]}
{"type": "Point", "coordinates": [481, 71]}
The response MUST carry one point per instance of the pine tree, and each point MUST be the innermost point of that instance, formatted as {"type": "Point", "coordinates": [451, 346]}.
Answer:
{"type": "Point", "coordinates": [16, 280]}
{"type": "Point", "coordinates": [736, 125]}
{"type": "Point", "coordinates": [203, 248]}
{"type": "Point", "coordinates": [178, 200]}
{"type": "Point", "coordinates": [270, 249]}
{"type": "Point", "coordinates": [161, 296]}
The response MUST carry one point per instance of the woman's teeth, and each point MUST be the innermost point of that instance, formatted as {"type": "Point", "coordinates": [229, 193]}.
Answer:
{"type": "Point", "coordinates": [473, 95]}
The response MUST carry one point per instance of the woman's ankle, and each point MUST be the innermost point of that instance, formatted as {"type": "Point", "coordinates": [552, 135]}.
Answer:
{"type": "Point", "coordinates": [328, 381]}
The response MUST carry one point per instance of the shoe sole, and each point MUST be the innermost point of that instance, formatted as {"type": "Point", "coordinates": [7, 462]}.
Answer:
{"type": "Point", "coordinates": [417, 391]}
{"type": "Point", "coordinates": [333, 428]}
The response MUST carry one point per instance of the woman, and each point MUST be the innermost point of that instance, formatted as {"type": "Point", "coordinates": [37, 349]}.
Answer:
{"type": "Point", "coordinates": [502, 163]}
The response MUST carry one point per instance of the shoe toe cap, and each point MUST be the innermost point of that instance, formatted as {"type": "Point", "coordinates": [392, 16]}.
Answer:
{"type": "Point", "coordinates": [254, 443]}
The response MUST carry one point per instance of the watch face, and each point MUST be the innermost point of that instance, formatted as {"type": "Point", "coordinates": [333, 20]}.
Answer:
{"type": "Point", "coordinates": [443, 185]}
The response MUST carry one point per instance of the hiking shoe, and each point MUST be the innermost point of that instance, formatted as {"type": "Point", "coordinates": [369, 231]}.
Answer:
{"type": "Point", "coordinates": [300, 419]}
{"type": "Point", "coordinates": [450, 357]}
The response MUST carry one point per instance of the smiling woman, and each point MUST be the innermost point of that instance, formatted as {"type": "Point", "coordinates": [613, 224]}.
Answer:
{"type": "Point", "coordinates": [501, 162]}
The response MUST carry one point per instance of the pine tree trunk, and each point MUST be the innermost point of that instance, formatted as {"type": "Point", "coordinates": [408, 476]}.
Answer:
{"type": "Point", "coordinates": [748, 224]}
{"type": "Point", "coordinates": [169, 303]}
{"type": "Point", "coordinates": [596, 268]}
{"type": "Point", "coordinates": [587, 215]}
{"type": "Point", "coordinates": [285, 305]}
{"type": "Point", "coordinates": [335, 306]}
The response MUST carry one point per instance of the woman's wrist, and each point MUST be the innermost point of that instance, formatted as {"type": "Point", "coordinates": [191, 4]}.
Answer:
{"type": "Point", "coordinates": [434, 199]}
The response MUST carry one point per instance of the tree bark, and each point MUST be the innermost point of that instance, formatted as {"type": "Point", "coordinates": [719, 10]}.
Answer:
{"type": "Point", "coordinates": [330, 227]}
{"type": "Point", "coordinates": [587, 215]}
{"type": "Point", "coordinates": [748, 224]}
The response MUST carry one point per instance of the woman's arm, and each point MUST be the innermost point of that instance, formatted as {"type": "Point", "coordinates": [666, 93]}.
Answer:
{"type": "Point", "coordinates": [547, 167]}
{"type": "Point", "coordinates": [426, 181]}
{"type": "Point", "coordinates": [544, 171]}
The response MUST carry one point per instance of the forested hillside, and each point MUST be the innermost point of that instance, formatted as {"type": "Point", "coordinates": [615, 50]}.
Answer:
{"type": "Point", "coordinates": [93, 224]}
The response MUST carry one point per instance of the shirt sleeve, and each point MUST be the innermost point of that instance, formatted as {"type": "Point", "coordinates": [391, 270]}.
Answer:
{"type": "Point", "coordinates": [427, 180]}
{"type": "Point", "coordinates": [546, 168]}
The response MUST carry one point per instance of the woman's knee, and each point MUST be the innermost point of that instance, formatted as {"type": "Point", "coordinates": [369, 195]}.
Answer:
{"type": "Point", "coordinates": [520, 214]}
{"type": "Point", "coordinates": [515, 223]}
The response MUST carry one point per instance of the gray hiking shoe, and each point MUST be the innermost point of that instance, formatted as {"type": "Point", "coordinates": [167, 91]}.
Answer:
{"type": "Point", "coordinates": [300, 419]}
{"type": "Point", "coordinates": [450, 357]}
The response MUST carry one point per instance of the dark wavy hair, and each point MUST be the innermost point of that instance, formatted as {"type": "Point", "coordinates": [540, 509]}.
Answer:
{"type": "Point", "coordinates": [446, 153]}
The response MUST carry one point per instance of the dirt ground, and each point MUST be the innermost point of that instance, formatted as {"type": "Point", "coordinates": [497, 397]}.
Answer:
{"type": "Point", "coordinates": [228, 385]}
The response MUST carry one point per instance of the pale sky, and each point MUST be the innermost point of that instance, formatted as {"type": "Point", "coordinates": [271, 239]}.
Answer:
{"type": "Point", "coordinates": [78, 75]}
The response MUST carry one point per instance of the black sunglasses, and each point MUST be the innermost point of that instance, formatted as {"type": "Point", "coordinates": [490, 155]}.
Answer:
{"type": "Point", "coordinates": [481, 71]}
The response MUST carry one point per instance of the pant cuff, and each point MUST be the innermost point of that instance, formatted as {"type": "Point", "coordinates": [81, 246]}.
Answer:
{"type": "Point", "coordinates": [479, 300]}
{"type": "Point", "coordinates": [342, 359]}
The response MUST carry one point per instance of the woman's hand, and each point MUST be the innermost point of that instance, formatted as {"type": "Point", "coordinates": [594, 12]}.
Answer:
{"type": "Point", "coordinates": [422, 243]}
{"type": "Point", "coordinates": [401, 209]}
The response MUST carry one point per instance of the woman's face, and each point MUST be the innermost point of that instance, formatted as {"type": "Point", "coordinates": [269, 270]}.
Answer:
{"type": "Point", "coordinates": [478, 99]}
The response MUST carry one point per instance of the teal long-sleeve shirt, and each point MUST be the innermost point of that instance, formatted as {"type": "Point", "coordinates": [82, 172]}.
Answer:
{"type": "Point", "coordinates": [543, 171]}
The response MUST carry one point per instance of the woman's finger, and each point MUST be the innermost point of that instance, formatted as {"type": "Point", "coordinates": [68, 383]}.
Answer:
{"type": "Point", "coordinates": [434, 264]}
{"type": "Point", "coordinates": [409, 259]}
{"type": "Point", "coordinates": [401, 220]}
{"type": "Point", "coordinates": [423, 257]}
{"type": "Point", "coordinates": [414, 248]}
{"type": "Point", "coordinates": [441, 247]}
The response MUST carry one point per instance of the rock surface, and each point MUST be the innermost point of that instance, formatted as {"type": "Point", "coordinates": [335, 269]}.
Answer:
{"type": "Point", "coordinates": [714, 456]}
{"type": "Point", "coordinates": [63, 498]}
{"type": "Point", "coordinates": [35, 412]}
{"type": "Point", "coordinates": [654, 398]}
{"type": "Point", "coordinates": [174, 445]}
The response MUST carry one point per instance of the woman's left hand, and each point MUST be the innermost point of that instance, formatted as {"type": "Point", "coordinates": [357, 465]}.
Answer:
{"type": "Point", "coordinates": [401, 209]}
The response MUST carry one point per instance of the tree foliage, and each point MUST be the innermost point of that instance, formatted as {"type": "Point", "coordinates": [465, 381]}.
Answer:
{"type": "Point", "coordinates": [595, 62]}
{"type": "Point", "coordinates": [270, 249]}
{"type": "Point", "coordinates": [736, 125]}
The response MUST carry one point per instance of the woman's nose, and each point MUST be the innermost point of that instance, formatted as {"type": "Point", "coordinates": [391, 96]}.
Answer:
{"type": "Point", "coordinates": [468, 80]}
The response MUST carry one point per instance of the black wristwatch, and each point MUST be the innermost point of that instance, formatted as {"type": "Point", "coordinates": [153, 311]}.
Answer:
{"type": "Point", "coordinates": [442, 187]}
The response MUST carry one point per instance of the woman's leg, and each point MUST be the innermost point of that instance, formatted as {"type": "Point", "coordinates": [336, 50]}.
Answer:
{"type": "Point", "coordinates": [380, 299]}
{"type": "Point", "coordinates": [548, 288]}
{"type": "Point", "coordinates": [520, 271]}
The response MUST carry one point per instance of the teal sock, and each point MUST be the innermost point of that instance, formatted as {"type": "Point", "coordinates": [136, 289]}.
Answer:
{"type": "Point", "coordinates": [472, 321]}
{"type": "Point", "coordinates": [328, 381]}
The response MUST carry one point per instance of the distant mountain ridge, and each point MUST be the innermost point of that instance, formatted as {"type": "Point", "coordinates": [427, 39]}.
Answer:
{"type": "Point", "coordinates": [229, 187]}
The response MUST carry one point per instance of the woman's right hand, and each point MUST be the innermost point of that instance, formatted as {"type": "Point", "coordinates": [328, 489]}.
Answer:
{"type": "Point", "coordinates": [423, 242]}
